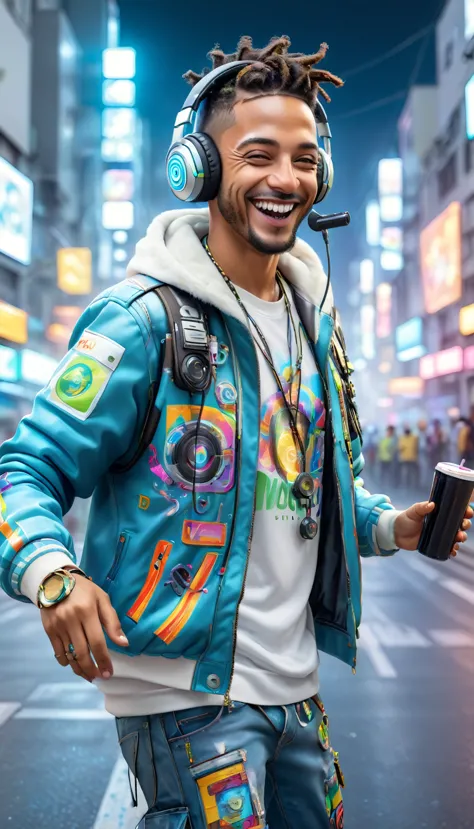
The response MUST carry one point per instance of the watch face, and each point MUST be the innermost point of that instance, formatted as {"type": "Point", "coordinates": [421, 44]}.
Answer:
{"type": "Point", "coordinates": [53, 587]}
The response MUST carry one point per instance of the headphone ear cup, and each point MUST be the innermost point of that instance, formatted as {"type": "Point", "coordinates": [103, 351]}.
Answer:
{"type": "Point", "coordinates": [324, 175]}
{"type": "Point", "coordinates": [193, 168]}
{"type": "Point", "coordinates": [211, 164]}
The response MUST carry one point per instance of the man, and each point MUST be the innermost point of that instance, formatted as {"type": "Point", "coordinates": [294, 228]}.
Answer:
{"type": "Point", "coordinates": [229, 551]}
{"type": "Point", "coordinates": [408, 458]}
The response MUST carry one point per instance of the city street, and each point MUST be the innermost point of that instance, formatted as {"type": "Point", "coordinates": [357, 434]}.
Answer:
{"type": "Point", "coordinates": [404, 725]}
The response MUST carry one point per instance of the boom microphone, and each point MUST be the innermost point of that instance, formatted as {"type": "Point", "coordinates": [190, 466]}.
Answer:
{"type": "Point", "coordinates": [318, 222]}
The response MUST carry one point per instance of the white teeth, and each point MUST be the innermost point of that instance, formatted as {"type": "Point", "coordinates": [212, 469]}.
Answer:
{"type": "Point", "coordinates": [276, 208]}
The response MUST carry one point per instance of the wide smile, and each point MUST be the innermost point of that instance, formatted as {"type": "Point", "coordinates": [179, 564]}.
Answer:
{"type": "Point", "coordinates": [273, 213]}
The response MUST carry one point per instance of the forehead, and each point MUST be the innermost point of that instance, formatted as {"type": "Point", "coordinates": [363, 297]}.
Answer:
{"type": "Point", "coordinates": [271, 114]}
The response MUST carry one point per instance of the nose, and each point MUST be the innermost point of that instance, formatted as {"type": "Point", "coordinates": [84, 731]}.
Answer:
{"type": "Point", "coordinates": [283, 176]}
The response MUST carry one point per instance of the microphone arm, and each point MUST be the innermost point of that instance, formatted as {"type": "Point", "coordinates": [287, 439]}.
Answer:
{"type": "Point", "coordinates": [321, 223]}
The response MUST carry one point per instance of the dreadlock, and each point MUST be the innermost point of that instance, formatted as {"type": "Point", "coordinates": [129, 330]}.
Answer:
{"type": "Point", "coordinates": [273, 70]}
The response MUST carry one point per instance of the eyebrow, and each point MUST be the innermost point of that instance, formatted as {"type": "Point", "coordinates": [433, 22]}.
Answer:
{"type": "Point", "coordinates": [270, 142]}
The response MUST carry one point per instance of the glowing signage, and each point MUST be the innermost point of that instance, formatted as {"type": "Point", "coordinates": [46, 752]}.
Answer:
{"type": "Point", "coordinates": [118, 93]}
{"type": "Point", "coordinates": [16, 213]}
{"type": "Point", "coordinates": [409, 336]}
{"type": "Point", "coordinates": [117, 185]}
{"type": "Point", "coordinates": [406, 386]}
{"type": "Point", "coordinates": [390, 177]}
{"type": "Point", "coordinates": [117, 215]}
{"type": "Point", "coordinates": [37, 368]}
{"type": "Point", "coordinates": [469, 358]}
{"type": "Point", "coordinates": [9, 364]}
{"type": "Point", "coordinates": [384, 310]}
{"type": "Point", "coordinates": [114, 151]}
{"type": "Point", "coordinates": [391, 208]}
{"type": "Point", "coordinates": [366, 283]}
{"type": "Point", "coordinates": [466, 320]}
{"type": "Point", "coordinates": [13, 323]}
{"type": "Point", "coordinates": [372, 223]}
{"type": "Point", "coordinates": [440, 245]}
{"type": "Point", "coordinates": [469, 101]}
{"type": "Point", "coordinates": [390, 260]}
{"type": "Point", "coordinates": [468, 18]}
{"type": "Point", "coordinates": [449, 361]}
{"type": "Point", "coordinates": [367, 324]}
{"type": "Point", "coordinates": [74, 266]}
{"type": "Point", "coordinates": [119, 63]}
{"type": "Point", "coordinates": [118, 124]}
{"type": "Point", "coordinates": [392, 238]}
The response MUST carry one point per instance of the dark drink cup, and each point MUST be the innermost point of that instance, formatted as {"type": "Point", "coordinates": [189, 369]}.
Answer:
{"type": "Point", "coordinates": [451, 492]}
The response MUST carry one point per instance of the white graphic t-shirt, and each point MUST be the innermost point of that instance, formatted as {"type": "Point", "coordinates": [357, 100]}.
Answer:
{"type": "Point", "coordinates": [276, 660]}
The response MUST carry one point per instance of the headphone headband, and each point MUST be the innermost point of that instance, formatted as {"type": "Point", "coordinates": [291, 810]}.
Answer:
{"type": "Point", "coordinates": [217, 78]}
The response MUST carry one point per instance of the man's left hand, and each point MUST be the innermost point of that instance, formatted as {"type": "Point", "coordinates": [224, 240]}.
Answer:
{"type": "Point", "coordinates": [409, 524]}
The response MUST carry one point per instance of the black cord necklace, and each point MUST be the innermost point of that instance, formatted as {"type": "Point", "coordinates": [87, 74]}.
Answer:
{"type": "Point", "coordinates": [303, 488]}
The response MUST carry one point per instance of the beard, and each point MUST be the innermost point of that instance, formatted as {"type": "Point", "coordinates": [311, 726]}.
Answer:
{"type": "Point", "coordinates": [229, 210]}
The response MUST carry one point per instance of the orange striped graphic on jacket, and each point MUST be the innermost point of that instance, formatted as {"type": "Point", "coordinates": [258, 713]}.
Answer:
{"type": "Point", "coordinates": [13, 536]}
{"type": "Point", "coordinates": [155, 573]}
{"type": "Point", "coordinates": [176, 621]}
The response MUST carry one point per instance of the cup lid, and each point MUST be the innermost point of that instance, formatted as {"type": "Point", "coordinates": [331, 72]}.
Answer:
{"type": "Point", "coordinates": [456, 471]}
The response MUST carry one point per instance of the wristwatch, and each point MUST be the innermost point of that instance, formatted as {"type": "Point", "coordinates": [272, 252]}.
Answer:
{"type": "Point", "coordinates": [57, 586]}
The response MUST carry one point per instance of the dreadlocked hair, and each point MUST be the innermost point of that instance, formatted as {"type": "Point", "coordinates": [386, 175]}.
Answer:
{"type": "Point", "coordinates": [273, 70]}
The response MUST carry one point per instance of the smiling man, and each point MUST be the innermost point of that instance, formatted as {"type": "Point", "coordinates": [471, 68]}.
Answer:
{"type": "Point", "coordinates": [206, 405]}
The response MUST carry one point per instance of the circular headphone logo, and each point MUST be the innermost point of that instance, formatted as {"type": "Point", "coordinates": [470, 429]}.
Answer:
{"type": "Point", "coordinates": [177, 172]}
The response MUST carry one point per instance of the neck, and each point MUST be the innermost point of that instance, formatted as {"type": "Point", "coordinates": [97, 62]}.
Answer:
{"type": "Point", "coordinates": [246, 267]}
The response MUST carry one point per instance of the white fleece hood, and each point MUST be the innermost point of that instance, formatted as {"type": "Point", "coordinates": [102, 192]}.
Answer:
{"type": "Point", "coordinates": [172, 252]}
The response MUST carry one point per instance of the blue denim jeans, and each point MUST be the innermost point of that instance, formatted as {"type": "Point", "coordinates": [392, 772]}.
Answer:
{"type": "Point", "coordinates": [249, 767]}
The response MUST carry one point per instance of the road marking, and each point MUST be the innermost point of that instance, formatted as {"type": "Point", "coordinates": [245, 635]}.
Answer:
{"type": "Point", "coordinates": [399, 636]}
{"type": "Point", "coordinates": [459, 589]}
{"type": "Point", "coordinates": [452, 638]}
{"type": "Point", "coordinates": [62, 690]}
{"type": "Point", "coordinates": [7, 709]}
{"type": "Point", "coordinates": [422, 567]}
{"type": "Point", "coordinates": [63, 714]}
{"type": "Point", "coordinates": [116, 810]}
{"type": "Point", "coordinates": [379, 659]}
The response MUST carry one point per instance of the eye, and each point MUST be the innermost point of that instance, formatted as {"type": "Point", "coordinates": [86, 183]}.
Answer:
{"type": "Point", "coordinates": [308, 160]}
{"type": "Point", "coordinates": [258, 157]}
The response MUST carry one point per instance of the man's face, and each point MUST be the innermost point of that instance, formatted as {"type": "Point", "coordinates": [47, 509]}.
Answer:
{"type": "Point", "coordinates": [269, 162]}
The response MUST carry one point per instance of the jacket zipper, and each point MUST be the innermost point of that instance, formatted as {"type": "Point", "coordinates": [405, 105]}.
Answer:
{"type": "Point", "coordinates": [348, 578]}
{"type": "Point", "coordinates": [123, 537]}
{"type": "Point", "coordinates": [227, 699]}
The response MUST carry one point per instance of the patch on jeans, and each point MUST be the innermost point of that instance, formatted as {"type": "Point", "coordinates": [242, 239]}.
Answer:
{"type": "Point", "coordinates": [226, 794]}
{"type": "Point", "coordinates": [334, 804]}
{"type": "Point", "coordinates": [323, 733]}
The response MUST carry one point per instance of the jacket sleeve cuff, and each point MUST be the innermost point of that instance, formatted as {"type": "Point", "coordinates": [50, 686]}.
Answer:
{"type": "Point", "coordinates": [37, 571]}
{"type": "Point", "coordinates": [385, 531]}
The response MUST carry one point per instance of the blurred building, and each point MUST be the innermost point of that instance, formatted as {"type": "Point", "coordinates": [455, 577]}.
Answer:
{"type": "Point", "coordinates": [414, 314]}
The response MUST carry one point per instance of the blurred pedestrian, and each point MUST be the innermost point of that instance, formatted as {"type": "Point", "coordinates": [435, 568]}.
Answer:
{"type": "Point", "coordinates": [408, 458]}
{"type": "Point", "coordinates": [438, 444]}
{"type": "Point", "coordinates": [463, 429]}
{"type": "Point", "coordinates": [424, 461]}
{"type": "Point", "coordinates": [466, 440]}
{"type": "Point", "coordinates": [387, 456]}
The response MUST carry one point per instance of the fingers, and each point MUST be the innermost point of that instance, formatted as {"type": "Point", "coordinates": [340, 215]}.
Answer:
{"type": "Point", "coordinates": [95, 637]}
{"type": "Point", "coordinates": [81, 658]}
{"type": "Point", "coordinates": [469, 512]}
{"type": "Point", "coordinates": [466, 524]}
{"type": "Point", "coordinates": [59, 650]}
{"type": "Point", "coordinates": [461, 537]}
{"type": "Point", "coordinates": [419, 510]}
{"type": "Point", "coordinates": [454, 551]}
{"type": "Point", "coordinates": [111, 621]}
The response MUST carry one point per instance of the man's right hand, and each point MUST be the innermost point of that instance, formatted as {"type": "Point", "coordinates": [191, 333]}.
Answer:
{"type": "Point", "coordinates": [79, 619]}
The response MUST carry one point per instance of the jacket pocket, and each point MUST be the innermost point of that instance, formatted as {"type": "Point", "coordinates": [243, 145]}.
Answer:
{"type": "Point", "coordinates": [169, 819]}
{"type": "Point", "coordinates": [155, 573]}
{"type": "Point", "coordinates": [180, 616]}
{"type": "Point", "coordinates": [122, 545]}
